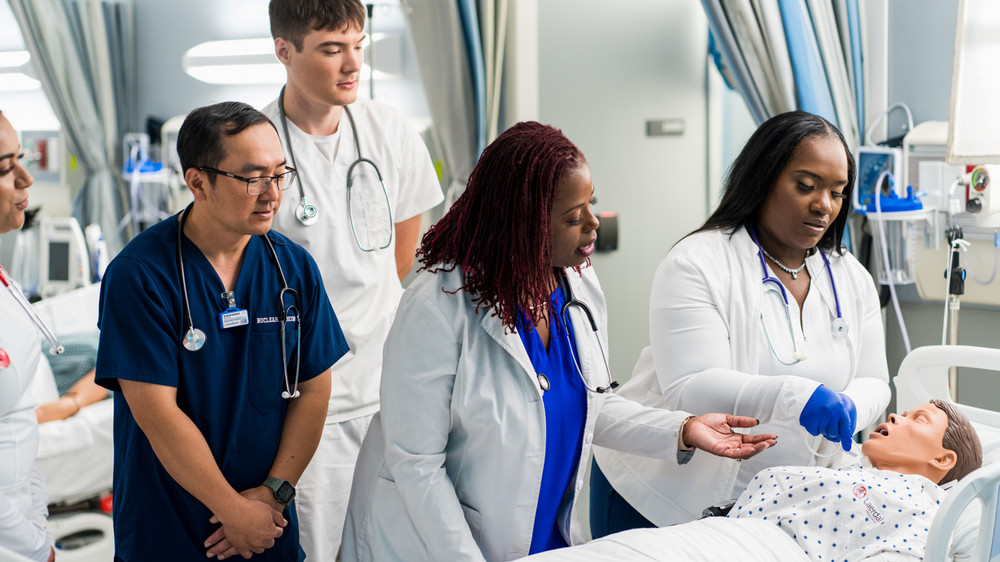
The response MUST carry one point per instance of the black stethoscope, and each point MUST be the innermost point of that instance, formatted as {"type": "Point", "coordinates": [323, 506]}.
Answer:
{"type": "Point", "coordinates": [838, 327]}
{"type": "Point", "coordinates": [569, 301]}
{"type": "Point", "coordinates": [194, 339]}
{"type": "Point", "coordinates": [307, 213]}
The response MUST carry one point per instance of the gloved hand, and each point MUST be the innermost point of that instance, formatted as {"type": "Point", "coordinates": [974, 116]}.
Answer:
{"type": "Point", "coordinates": [832, 414]}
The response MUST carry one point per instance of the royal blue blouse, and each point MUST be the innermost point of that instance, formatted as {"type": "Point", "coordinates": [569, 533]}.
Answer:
{"type": "Point", "coordinates": [565, 405]}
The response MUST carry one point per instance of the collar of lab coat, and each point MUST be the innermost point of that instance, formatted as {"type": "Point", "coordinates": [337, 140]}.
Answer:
{"type": "Point", "coordinates": [582, 332]}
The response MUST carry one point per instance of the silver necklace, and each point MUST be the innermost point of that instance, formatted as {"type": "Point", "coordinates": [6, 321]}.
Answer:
{"type": "Point", "coordinates": [785, 268]}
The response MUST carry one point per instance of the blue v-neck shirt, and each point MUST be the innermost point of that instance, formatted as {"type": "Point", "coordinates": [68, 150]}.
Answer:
{"type": "Point", "coordinates": [565, 406]}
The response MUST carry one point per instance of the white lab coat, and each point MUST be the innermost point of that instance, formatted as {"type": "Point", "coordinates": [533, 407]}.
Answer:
{"type": "Point", "coordinates": [452, 465]}
{"type": "Point", "coordinates": [706, 353]}
{"type": "Point", "coordinates": [23, 501]}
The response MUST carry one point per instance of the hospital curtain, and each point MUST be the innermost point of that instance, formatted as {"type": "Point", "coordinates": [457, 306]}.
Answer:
{"type": "Point", "coordinates": [793, 54]}
{"type": "Point", "coordinates": [83, 52]}
{"type": "Point", "coordinates": [460, 47]}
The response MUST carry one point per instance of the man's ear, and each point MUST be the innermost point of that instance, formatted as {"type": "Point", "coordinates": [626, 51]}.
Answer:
{"type": "Point", "coordinates": [282, 50]}
{"type": "Point", "coordinates": [945, 461]}
{"type": "Point", "coordinates": [197, 183]}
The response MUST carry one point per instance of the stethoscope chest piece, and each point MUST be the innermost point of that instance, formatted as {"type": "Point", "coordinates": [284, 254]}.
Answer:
{"type": "Point", "coordinates": [543, 382]}
{"type": "Point", "coordinates": [194, 339]}
{"type": "Point", "coordinates": [839, 327]}
{"type": "Point", "coordinates": [307, 214]}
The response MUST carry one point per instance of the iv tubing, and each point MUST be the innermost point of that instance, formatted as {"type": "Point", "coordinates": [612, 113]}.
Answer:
{"type": "Point", "coordinates": [884, 245]}
{"type": "Point", "coordinates": [947, 293]}
{"type": "Point", "coordinates": [996, 261]}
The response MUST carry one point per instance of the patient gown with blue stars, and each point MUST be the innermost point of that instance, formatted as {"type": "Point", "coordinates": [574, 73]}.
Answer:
{"type": "Point", "coordinates": [851, 513]}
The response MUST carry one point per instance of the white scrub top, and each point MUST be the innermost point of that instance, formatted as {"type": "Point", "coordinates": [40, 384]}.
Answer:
{"type": "Point", "coordinates": [709, 354]}
{"type": "Point", "coordinates": [23, 502]}
{"type": "Point", "coordinates": [363, 286]}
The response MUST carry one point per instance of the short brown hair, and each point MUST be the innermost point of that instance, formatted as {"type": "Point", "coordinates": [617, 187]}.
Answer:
{"type": "Point", "coordinates": [292, 20]}
{"type": "Point", "coordinates": [961, 438]}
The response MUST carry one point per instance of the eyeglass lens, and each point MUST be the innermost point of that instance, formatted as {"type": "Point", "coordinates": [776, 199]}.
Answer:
{"type": "Point", "coordinates": [256, 186]}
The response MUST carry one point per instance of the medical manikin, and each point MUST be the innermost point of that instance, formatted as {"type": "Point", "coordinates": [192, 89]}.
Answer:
{"type": "Point", "coordinates": [878, 507]}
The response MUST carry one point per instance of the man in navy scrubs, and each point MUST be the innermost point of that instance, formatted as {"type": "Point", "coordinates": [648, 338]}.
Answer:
{"type": "Point", "coordinates": [217, 412]}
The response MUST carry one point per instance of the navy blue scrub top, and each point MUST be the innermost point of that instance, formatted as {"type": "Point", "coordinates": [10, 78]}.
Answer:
{"type": "Point", "coordinates": [231, 388]}
{"type": "Point", "coordinates": [565, 416]}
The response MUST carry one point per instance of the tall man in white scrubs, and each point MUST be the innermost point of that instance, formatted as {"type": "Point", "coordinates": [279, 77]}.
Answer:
{"type": "Point", "coordinates": [364, 240]}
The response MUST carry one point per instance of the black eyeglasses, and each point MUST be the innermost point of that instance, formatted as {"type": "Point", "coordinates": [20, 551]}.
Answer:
{"type": "Point", "coordinates": [259, 184]}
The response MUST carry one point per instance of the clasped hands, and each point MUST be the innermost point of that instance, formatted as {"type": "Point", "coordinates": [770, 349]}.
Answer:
{"type": "Point", "coordinates": [249, 528]}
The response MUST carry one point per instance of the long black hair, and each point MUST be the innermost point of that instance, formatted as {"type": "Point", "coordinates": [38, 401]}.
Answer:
{"type": "Point", "coordinates": [756, 169]}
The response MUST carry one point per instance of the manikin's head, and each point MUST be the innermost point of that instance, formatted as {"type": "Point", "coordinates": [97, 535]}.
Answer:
{"type": "Point", "coordinates": [934, 440]}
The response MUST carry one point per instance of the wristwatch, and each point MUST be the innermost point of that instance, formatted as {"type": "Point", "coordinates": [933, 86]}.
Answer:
{"type": "Point", "coordinates": [283, 490]}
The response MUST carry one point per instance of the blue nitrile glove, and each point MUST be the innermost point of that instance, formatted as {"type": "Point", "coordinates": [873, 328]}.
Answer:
{"type": "Point", "coordinates": [831, 414]}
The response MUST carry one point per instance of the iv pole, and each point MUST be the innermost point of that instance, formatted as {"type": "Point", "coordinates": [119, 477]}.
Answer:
{"type": "Point", "coordinates": [956, 288]}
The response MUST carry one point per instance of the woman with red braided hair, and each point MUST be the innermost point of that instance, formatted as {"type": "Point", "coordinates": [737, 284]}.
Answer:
{"type": "Point", "coordinates": [493, 390]}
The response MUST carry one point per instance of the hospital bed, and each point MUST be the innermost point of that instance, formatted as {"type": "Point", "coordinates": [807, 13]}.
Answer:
{"type": "Point", "coordinates": [964, 529]}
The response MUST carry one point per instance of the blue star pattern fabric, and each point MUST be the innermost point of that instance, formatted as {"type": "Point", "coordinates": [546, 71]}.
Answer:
{"type": "Point", "coordinates": [846, 514]}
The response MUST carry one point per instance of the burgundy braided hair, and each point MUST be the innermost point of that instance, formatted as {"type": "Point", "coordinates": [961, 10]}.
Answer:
{"type": "Point", "coordinates": [499, 231]}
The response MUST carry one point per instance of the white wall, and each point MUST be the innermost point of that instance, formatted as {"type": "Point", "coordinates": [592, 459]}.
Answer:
{"type": "Point", "coordinates": [604, 71]}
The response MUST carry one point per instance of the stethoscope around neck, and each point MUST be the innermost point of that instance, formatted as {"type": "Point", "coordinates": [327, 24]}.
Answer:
{"type": "Point", "coordinates": [307, 213]}
{"type": "Point", "coordinates": [838, 326]}
{"type": "Point", "coordinates": [571, 301]}
{"type": "Point", "coordinates": [194, 339]}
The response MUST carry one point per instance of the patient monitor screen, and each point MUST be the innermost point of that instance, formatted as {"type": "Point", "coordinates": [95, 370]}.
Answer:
{"type": "Point", "coordinates": [58, 261]}
{"type": "Point", "coordinates": [870, 165]}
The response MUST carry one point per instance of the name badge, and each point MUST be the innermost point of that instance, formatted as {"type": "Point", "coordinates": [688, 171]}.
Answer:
{"type": "Point", "coordinates": [233, 317]}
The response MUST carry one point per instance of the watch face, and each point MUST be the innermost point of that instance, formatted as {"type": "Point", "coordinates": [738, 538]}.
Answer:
{"type": "Point", "coordinates": [284, 493]}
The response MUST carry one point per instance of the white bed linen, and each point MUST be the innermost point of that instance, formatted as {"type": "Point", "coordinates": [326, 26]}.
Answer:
{"type": "Point", "coordinates": [704, 540]}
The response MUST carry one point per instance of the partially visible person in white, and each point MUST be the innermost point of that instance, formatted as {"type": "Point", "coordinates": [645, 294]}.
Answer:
{"type": "Point", "coordinates": [23, 500]}
{"type": "Point", "coordinates": [725, 340]}
{"type": "Point", "coordinates": [324, 129]}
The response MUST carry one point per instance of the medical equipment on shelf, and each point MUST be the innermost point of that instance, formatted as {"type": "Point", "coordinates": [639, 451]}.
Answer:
{"type": "Point", "coordinates": [771, 284]}
{"type": "Point", "coordinates": [871, 162]}
{"type": "Point", "coordinates": [63, 258]}
{"type": "Point", "coordinates": [978, 198]}
{"type": "Point", "coordinates": [194, 338]}
{"type": "Point", "coordinates": [571, 301]}
{"type": "Point", "coordinates": [149, 197]}
{"type": "Point", "coordinates": [54, 347]}
{"type": "Point", "coordinates": [362, 167]}
{"type": "Point", "coordinates": [98, 246]}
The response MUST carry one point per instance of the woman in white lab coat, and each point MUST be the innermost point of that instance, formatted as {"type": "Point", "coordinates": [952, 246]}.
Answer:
{"type": "Point", "coordinates": [761, 313]}
{"type": "Point", "coordinates": [492, 393]}
{"type": "Point", "coordinates": [23, 501]}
